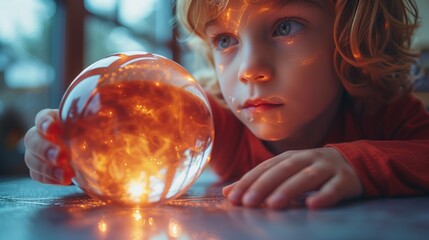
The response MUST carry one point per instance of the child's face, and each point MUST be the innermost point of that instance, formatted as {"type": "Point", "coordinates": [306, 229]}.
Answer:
{"type": "Point", "coordinates": [274, 65]}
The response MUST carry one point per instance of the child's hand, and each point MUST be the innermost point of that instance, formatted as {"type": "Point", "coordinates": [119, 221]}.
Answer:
{"type": "Point", "coordinates": [45, 154]}
{"type": "Point", "coordinates": [277, 182]}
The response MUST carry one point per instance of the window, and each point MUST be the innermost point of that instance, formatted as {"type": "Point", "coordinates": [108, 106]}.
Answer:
{"type": "Point", "coordinates": [26, 72]}
{"type": "Point", "coordinates": [127, 25]}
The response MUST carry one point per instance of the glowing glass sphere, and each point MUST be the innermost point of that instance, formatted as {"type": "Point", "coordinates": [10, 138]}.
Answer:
{"type": "Point", "coordinates": [138, 129]}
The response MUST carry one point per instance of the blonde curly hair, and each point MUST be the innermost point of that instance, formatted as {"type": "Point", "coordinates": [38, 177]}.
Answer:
{"type": "Point", "coordinates": [373, 54]}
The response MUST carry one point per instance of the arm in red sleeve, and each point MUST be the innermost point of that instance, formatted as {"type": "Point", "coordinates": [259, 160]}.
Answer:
{"type": "Point", "coordinates": [389, 168]}
{"type": "Point", "coordinates": [396, 163]}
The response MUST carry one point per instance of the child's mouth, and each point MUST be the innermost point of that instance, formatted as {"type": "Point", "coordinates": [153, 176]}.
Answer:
{"type": "Point", "coordinates": [262, 104]}
{"type": "Point", "coordinates": [262, 107]}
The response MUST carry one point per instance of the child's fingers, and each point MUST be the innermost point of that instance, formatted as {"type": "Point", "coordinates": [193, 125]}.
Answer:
{"type": "Point", "coordinates": [44, 172]}
{"type": "Point", "coordinates": [36, 164]}
{"type": "Point", "coordinates": [47, 161]}
{"type": "Point", "coordinates": [46, 114]}
{"type": "Point", "coordinates": [66, 180]}
{"type": "Point", "coordinates": [42, 178]}
{"type": "Point", "coordinates": [308, 179]}
{"type": "Point", "coordinates": [48, 124]}
{"type": "Point", "coordinates": [271, 179]}
{"type": "Point", "coordinates": [41, 147]}
{"type": "Point", "coordinates": [240, 187]}
{"type": "Point", "coordinates": [329, 195]}
{"type": "Point", "coordinates": [227, 189]}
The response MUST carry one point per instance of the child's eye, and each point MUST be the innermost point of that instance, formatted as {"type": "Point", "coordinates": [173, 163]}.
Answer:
{"type": "Point", "coordinates": [287, 27]}
{"type": "Point", "coordinates": [224, 41]}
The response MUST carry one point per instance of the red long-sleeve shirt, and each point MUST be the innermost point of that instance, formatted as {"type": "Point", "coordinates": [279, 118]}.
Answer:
{"type": "Point", "coordinates": [388, 149]}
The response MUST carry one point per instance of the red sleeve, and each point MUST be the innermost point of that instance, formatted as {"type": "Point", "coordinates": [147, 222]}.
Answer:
{"type": "Point", "coordinates": [395, 162]}
{"type": "Point", "coordinates": [235, 149]}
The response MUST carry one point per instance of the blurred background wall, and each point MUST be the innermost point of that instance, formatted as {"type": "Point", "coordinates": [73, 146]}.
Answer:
{"type": "Point", "coordinates": [44, 44]}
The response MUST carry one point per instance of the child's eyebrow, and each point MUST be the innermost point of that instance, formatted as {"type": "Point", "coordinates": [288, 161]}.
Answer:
{"type": "Point", "coordinates": [276, 3]}
{"type": "Point", "coordinates": [210, 22]}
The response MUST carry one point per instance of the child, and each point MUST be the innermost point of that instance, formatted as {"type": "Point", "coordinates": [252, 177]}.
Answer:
{"type": "Point", "coordinates": [316, 99]}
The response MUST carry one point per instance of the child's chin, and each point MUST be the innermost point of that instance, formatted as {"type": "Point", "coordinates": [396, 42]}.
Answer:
{"type": "Point", "coordinates": [268, 132]}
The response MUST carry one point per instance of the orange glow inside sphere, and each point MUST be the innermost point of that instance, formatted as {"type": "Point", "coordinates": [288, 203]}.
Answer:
{"type": "Point", "coordinates": [138, 129]}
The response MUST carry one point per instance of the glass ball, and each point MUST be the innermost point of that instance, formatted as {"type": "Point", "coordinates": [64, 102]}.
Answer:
{"type": "Point", "coordinates": [138, 129]}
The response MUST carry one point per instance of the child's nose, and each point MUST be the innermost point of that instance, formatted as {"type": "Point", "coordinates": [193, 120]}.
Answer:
{"type": "Point", "coordinates": [256, 68]}
{"type": "Point", "coordinates": [254, 77]}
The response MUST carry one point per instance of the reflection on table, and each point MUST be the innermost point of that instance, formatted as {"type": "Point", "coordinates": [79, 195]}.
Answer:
{"type": "Point", "coordinates": [30, 210]}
